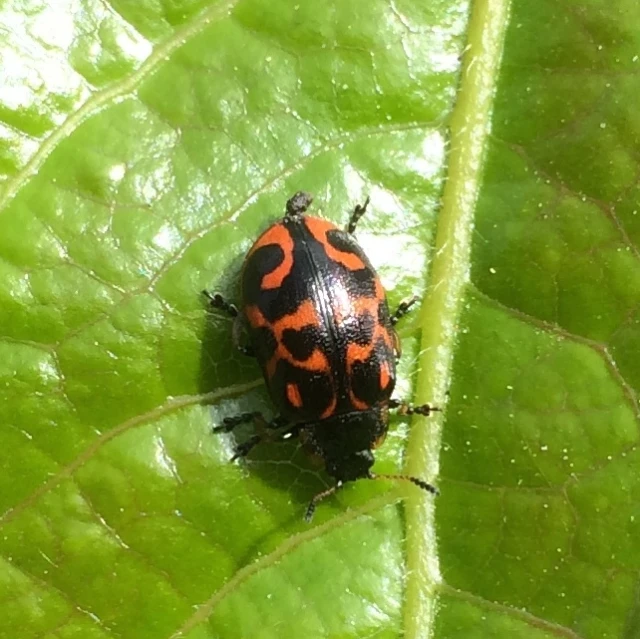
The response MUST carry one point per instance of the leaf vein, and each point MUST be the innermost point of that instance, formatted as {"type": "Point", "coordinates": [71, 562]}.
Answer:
{"type": "Point", "coordinates": [170, 406]}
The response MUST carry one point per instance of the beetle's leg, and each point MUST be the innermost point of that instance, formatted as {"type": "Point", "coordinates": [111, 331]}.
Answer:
{"type": "Point", "coordinates": [245, 349]}
{"type": "Point", "coordinates": [403, 308]}
{"type": "Point", "coordinates": [358, 212]}
{"type": "Point", "coordinates": [242, 450]}
{"type": "Point", "coordinates": [404, 408]}
{"type": "Point", "coordinates": [311, 508]}
{"type": "Point", "coordinates": [229, 423]}
{"type": "Point", "coordinates": [218, 302]}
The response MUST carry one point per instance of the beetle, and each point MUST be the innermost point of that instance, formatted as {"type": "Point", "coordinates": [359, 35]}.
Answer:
{"type": "Point", "coordinates": [319, 325]}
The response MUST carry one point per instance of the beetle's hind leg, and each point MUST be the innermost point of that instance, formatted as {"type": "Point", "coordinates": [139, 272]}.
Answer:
{"type": "Point", "coordinates": [266, 431]}
{"type": "Point", "coordinates": [242, 450]}
{"type": "Point", "coordinates": [219, 303]}
{"type": "Point", "coordinates": [229, 423]}
{"type": "Point", "coordinates": [405, 408]}
{"type": "Point", "coordinates": [357, 213]}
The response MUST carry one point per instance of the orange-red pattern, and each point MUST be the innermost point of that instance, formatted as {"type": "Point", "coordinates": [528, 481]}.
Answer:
{"type": "Point", "coordinates": [385, 375]}
{"type": "Point", "coordinates": [305, 315]}
{"type": "Point", "coordinates": [319, 229]}
{"type": "Point", "coordinates": [329, 410]}
{"type": "Point", "coordinates": [359, 353]}
{"type": "Point", "coordinates": [276, 235]}
{"type": "Point", "coordinates": [293, 395]}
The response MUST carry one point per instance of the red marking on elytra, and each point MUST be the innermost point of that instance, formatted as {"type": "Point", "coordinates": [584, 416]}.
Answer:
{"type": "Point", "coordinates": [305, 315]}
{"type": "Point", "coordinates": [358, 404]}
{"type": "Point", "coordinates": [380, 293]}
{"type": "Point", "coordinates": [385, 375]}
{"type": "Point", "coordinates": [358, 306]}
{"type": "Point", "coordinates": [361, 353]}
{"type": "Point", "coordinates": [319, 229]}
{"type": "Point", "coordinates": [293, 395]}
{"type": "Point", "coordinates": [329, 410]}
{"type": "Point", "coordinates": [275, 235]}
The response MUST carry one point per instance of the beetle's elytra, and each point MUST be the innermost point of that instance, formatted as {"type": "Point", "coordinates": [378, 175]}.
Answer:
{"type": "Point", "coordinates": [320, 328]}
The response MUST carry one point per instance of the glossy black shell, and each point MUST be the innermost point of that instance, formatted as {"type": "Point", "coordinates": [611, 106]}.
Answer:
{"type": "Point", "coordinates": [318, 320]}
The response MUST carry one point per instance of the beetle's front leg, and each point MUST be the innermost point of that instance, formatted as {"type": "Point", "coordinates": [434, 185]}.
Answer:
{"type": "Point", "coordinates": [219, 303]}
{"type": "Point", "coordinates": [357, 213]}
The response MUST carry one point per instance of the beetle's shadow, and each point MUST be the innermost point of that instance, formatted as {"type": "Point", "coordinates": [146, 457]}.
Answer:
{"type": "Point", "coordinates": [216, 349]}
{"type": "Point", "coordinates": [283, 464]}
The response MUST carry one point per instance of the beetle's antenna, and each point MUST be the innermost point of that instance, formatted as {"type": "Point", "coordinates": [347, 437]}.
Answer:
{"type": "Point", "coordinates": [318, 498]}
{"type": "Point", "coordinates": [421, 483]}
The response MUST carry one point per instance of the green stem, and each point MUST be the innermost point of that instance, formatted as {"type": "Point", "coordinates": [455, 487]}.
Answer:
{"type": "Point", "coordinates": [470, 125]}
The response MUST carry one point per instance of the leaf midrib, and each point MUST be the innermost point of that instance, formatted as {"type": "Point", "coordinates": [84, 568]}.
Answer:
{"type": "Point", "coordinates": [448, 277]}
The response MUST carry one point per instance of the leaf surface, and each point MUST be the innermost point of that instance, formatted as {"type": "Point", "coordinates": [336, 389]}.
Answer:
{"type": "Point", "coordinates": [143, 146]}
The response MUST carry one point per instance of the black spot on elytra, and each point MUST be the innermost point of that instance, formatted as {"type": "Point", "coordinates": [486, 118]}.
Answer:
{"type": "Point", "coordinates": [316, 392]}
{"type": "Point", "coordinates": [343, 242]}
{"type": "Point", "coordinates": [264, 343]}
{"type": "Point", "coordinates": [366, 325]}
{"type": "Point", "coordinates": [365, 376]}
{"type": "Point", "coordinates": [263, 261]}
{"type": "Point", "coordinates": [301, 343]}
{"type": "Point", "coordinates": [364, 279]}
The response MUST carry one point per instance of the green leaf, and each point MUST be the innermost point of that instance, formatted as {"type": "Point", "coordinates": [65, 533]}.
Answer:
{"type": "Point", "coordinates": [143, 146]}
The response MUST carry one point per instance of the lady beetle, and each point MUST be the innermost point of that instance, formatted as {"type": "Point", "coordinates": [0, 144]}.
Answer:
{"type": "Point", "coordinates": [320, 328]}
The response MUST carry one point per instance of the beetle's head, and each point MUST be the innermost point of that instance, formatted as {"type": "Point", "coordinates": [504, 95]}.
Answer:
{"type": "Point", "coordinates": [350, 467]}
{"type": "Point", "coordinates": [345, 442]}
